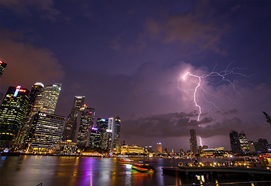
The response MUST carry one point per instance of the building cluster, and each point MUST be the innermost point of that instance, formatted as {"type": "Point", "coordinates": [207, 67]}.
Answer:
{"type": "Point", "coordinates": [28, 122]}
{"type": "Point", "coordinates": [240, 144]}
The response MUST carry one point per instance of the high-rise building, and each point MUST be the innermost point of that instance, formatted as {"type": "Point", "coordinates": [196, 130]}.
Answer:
{"type": "Point", "coordinates": [35, 90]}
{"type": "Point", "coordinates": [159, 147]}
{"type": "Point", "coordinates": [46, 99]}
{"type": "Point", "coordinates": [251, 147]}
{"type": "Point", "coordinates": [116, 143]}
{"type": "Point", "coordinates": [48, 130]}
{"type": "Point", "coordinates": [102, 125]}
{"type": "Point", "coordinates": [234, 140]}
{"type": "Point", "coordinates": [70, 125]}
{"type": "Point", "coordinates": [193, 142]}
{"type": "Point", "coordinates": [113, 135]}
{"type": "Point", "coordinates": [85, 121]}
{"type": "Point", "coordinates": [2, 67]}
{"type": "Point", "coordinates": [13, 114]}
{"type": "Point", "coordinates": [243, 143]}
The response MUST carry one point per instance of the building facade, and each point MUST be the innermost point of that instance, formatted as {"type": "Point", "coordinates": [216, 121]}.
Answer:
{"type": "Point", "coordinates": [193, 142]}
{"type": "Point", "coordinates": [244, 143]}
{"type": "Point", "coordinates": [47, 130]}
{"type": "Point", "coordinates": [70, 125]}
{"type": "Point", "coordinates": [46, 99]}
{"type": "Point", "coordinates": [13, 115]}
{"type": "Point", "coordinates": [234, 140]}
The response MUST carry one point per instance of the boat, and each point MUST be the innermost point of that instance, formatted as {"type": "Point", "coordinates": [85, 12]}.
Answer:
{"type": "Point", "coordinates": [126, 161]}
{"type": "Point", "coordinates": [142, 167]}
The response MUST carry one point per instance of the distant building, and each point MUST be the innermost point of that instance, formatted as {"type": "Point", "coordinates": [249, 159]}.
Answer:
{"type": "Point", "coordinates": [13, 115]}
{"type": "Point", "coordinates": [193, 142]}
{"type": "Point", "coordinates": [46, 99]}
{"type": "Point", "coordinates": [159, 147]}
{"type": "Point", "coordinates": [235, 143]}
{"type": "Point", "coordinates": [47, 130]}
{"type": "Point", "coordinates": [2, 67]}
{"type": "Point", "coordinates": [85, 121]}
{"type": "Point", "coordinates": [243, 143]}
{"type": "Point", "coordinates": [202, 147]}
{"type": "Point", "coordinates": [251, 147]}
{"type": "Point", "coordinates": [132, 150]}
{"type": "Point", "coordinates": [113, 135]}
{"type": "Point", "coordinates": [261, 145]}
{"type": "Point", "coordinates": [71, 123]}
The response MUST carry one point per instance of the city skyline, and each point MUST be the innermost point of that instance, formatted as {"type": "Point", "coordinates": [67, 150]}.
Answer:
{"type": "Point", "coordinates": [135, 70]}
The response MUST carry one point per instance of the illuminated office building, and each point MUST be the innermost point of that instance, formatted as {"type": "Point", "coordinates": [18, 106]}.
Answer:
{"type": "Point", "coordinates": [85, 121]}
{"type": "Point", "coordinates": [113, 135]}
{"type": "Point", "coordinates": [46, 132]}
{"type": "Point", "coordinates": [70, 125]}
{"type": "Point", "coordinates": [13, 114]}
{"type": "Point", "coordinates": [159, 147]}
{"type": "Point", "coordinates": [235, 143]}
{"type": "Point", "coordinates": [193, 142]}
{"type": "Point", "coordinates": [46, 99]}
{"type": "Point", "coordinates": [2, 67]}
{"type": "Point", "coordinates": [35, 90]}
{"type": "Point", "coordinates": [244, 143]}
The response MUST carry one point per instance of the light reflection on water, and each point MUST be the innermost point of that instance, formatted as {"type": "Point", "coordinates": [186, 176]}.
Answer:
{"type": "Point", "coordinates": [87, 171]}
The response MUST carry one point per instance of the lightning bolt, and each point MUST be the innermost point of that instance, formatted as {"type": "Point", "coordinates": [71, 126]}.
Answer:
{"type": "Point", "coordinates": [213, 73]}
{"type": "Point", "coordinates": [200, 141]}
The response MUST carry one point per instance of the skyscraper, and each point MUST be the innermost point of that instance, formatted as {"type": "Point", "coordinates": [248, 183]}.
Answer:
{"type": "Point", "coordinates": [46, 99]}
{"type": "Point", "coordinates": [47, 131]}
{"type": "Point", "coordinates": [243, 143]}
{"type": "Point", "coordinates": [113, 135]}
{"type": "Point", "coordinates": [193, 142]}
{"type": "Point", "coordinates": [85, 121]}
{"type": "Point", "coordinates": [70, 125]}
{"type": "Point", "coordinates": [234, 140]}
{"type": "Point", "coordinates": [116, 142]}
{"type": "Point", "coordinates": [35, 90]}
{"type": "Point", "coordinates": [2, 67]}
{"type": "Point", "coordinates": [159, 147]}
{"type": "Point", "coordinates": [13, 114]}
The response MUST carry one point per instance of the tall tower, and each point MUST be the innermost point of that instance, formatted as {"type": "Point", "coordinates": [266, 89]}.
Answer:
{"type": "Point", "coordinates": [47, 99]}
{"type": "Point", "coordinates": [70, 125]}
{"type": "Point", "coordinates": [35, 90]}
{"type": "Point", "coordinates": [235, 143]}
{"type": "Point", "coordinates": [2, 67]}
{"type": "Point", "coordinates": [159, 147]}
{"type": "Point", "coordinates": [48, 131]}
{"type": "Point", "coordinates": [85, 121]}
{"type": "Point", "coordinates": [116, 142]}
{"type": "Point", "coordinates": [243, 143]}
{"type": "Point", "coordinates": [13, 114]}
{"type": "Point", "coordinates": [193, 142]}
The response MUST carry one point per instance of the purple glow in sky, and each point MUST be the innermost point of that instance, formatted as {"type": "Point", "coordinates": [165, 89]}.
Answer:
{"type": "Point", "coordinates": [128, 58]}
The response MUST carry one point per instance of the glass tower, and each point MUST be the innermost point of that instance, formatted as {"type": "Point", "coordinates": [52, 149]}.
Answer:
{"type": "Point", "coordinates": [13, 114]}
{"type": "Point", "coordinates": [46, 99]}
{"type": "Point", "coordinates": [193, 142]}
{"type": "Point", "coordinates": [70, 125]}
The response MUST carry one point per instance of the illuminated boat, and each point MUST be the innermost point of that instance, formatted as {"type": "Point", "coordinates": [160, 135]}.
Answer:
{"type": "Point", "coordinates": [143, 167]}
{"type": "Point", "coordinates": [126, 161]}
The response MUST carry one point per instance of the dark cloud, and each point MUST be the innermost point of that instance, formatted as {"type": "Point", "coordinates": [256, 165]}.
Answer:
{"type": "Point", "coordinates": [45, 7]}
{"type": "Point", "coordinates": [189, 31]}
{"type": "Point", "coordinates": [226, 112]}
{"type": "Point", "coordinates": [27, 64]}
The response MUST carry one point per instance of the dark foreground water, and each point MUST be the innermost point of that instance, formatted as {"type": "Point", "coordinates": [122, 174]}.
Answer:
{"type": "Point", "coordinates": [87, 171]}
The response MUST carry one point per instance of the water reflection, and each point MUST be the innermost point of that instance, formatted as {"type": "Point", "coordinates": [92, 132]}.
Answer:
{"type": "Point", "coordinates": [71, 171]}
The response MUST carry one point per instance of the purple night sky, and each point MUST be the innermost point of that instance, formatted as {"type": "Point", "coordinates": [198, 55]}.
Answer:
{"type": "Point", "coordinates": [128, 58]}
